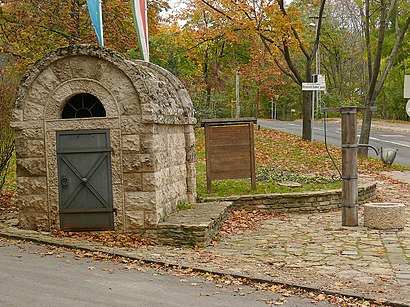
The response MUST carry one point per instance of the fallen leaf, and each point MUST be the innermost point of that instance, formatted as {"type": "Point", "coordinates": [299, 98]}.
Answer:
{"type": "Point", "coordinates": [275, 288]}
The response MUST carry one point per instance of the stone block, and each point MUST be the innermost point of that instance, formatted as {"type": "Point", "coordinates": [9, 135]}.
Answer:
{"type": "Point", "coordinates": [38, 94]}
{"type": "Point", "coordinates": [134, 220]}
{"type": "Point", "coordinates": [118, 83]}
{"type": "Point", "coordinates": [131, 142]}
{"type": "Point", "coordinates": [151, 218]}
{"type": "Point", "coordinates": [31, 185]}
{"type": "Point", "coordinates": [31, 167]}
{"type": "Point", "coordinates": [87, 67]}
{"type": "Point", "coordinates": [138, 163]}
{"type": "Point", "coordinates": [149, 182]}
{"type": "Point", "coordinates": [130, 124]}
{"type": "Point", "coordinates": [131, 105]}
{"type": "Point", "coordinates": [30, 133]}
{"type": "Point", "coordinates": [47, 79]}
{"type": "Point", "coordinates": [162, 159]}
{"type": "Point", "coordinates": [17, 117]}
{"type": "Point", "coordinates": [62, 93]}
{"type": "Point", "coordinates": [139, 201]}
{"type": "Point", "coordinates": [33, 111]}
{"type": "Point", "coordinates": [33, 221]}
{"type": "Point", "coordinates": [133, 182]}
{"type": "Point", "coordinates": [384, 215]}
{"type": "Point", "coordinates": [152, 143]}
{"type": "Point", "coordinates": [62, 69]}
{"type": "Point", "coordinates": [29, 148]}
{"type": "Point", "coordinates": [33, 203]}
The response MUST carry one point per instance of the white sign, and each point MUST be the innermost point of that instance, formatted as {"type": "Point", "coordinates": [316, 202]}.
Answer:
{"type": "Point", "coordinates": [407, 86]}
{"type": "Point", "coordinates": [313, 86]}
{"type": "Point", "coordinates": [321, 79]}
{"type": "Point", "coordinates": [408, 107]}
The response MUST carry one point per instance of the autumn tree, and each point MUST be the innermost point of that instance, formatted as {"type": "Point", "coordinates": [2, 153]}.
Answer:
{"type": "Point", "coordinates": [341, 50]}
{"type": "Point", "coordinates": [381, 20]}
{"type": "Point", "coordinates": [278, 27]}
{"type": "Point", "coordinates": [29, 29]}
{"type": "Point", "coordinates": [261, 74]}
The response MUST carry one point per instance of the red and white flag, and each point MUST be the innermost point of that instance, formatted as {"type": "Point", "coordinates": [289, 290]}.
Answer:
{"type": "Point", "coordinates": [139, 10]}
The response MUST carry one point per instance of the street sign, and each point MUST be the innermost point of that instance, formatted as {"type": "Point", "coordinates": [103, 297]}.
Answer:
{"type": "Point", "coordinates": [408, 107]}
{"type": "Point", "coordinates": [321, 79]}
{"type": "Point", "coordinates": [313, 86]}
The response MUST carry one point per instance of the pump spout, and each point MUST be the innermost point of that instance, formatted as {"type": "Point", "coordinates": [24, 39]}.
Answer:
{"type": "Point", "coordinates": [370, 146]}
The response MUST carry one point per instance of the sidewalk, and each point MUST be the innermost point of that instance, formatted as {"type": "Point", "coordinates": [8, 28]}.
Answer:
{"type": "Point", "coordinates": [312, 251]}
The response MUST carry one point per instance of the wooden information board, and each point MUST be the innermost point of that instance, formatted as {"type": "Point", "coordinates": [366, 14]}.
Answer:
{"type": "Point", "coordinates": [229, 148]}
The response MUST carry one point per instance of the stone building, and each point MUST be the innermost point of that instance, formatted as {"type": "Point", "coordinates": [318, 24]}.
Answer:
{"type": "Point", "coordinates": [102, 142]}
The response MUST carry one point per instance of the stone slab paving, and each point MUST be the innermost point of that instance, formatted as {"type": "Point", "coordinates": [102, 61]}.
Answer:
{"type": "Point", "coordinates": [403, 176]}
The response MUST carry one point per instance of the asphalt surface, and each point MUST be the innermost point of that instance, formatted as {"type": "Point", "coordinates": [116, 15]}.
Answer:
{"type": "Point", "coordinates": [35, 275]}
{"type": "Point", "coordinates": [378, 138]}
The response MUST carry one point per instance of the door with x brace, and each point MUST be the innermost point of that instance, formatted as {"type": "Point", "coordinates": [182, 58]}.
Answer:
{"type": "Point", "coordinates": [84, 180]}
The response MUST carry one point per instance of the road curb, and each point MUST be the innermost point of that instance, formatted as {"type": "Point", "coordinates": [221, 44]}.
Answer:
{"type": "Point", "coordinates": [42, 239]}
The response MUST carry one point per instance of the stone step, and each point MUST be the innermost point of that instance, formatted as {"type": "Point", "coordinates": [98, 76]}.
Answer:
{"type": "Point", "coordinates": [193, 227]}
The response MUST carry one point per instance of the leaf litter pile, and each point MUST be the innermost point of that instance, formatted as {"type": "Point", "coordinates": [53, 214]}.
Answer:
{"type": "Point", "coordinates": [242, 220]}
{"type": "Point", "coordinates": [118, 239]}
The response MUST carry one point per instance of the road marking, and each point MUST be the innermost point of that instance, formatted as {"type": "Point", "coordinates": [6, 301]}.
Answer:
{"type": "Point", "coordinates": [394, 143]}
{"type": "Point", "coordinates": [393, 135]}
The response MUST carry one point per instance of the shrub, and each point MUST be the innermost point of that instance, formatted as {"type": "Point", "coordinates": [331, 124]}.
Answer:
{"type": "Point", "coordinates": [8, 83]}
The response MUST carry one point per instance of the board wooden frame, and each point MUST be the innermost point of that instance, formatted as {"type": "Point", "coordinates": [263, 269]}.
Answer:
{"type": "Point", "coordinates": [229, 149]}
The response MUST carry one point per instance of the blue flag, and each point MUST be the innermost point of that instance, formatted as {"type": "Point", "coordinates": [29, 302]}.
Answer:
{"type": "Point", "coordinates": [94, 7]}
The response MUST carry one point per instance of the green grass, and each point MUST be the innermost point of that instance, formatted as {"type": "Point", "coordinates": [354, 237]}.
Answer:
{"type": "Point", "coordinates": [181, 206]}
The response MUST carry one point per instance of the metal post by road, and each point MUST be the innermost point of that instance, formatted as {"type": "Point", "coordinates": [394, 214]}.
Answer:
{"type": "Point", "coordinates": [271, 109]}
{"type": "Point", "coordinates": [312, 125]}
{"type": "Point", "coordinates": [349, 167]}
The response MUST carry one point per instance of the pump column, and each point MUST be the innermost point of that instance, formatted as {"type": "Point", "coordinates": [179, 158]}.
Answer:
{"type": "Point", "coordinates": [349, 167]}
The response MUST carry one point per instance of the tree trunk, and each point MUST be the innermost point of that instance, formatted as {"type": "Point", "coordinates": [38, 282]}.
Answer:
{"type": "Point", "coordinates": [307, 113]}
{"type": "Point", "coordinates": [365, 133]}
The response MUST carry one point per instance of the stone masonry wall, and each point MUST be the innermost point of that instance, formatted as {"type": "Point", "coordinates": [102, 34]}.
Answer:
{"type": "Point", "coordinates": [32, 176]}
{"type": "Point", "coordinates": [305, 202]}
{"type": "Point", "coordinates": [171, 169]}
{"type": "Point", "coordinates": [150, 119]}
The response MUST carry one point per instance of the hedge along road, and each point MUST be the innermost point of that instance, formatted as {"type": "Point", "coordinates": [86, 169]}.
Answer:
{"type": "Point", "coordinates": [385, 138]}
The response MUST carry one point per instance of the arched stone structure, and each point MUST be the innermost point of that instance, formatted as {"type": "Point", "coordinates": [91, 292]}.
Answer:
{"type": "Point", "coordinates": [149, 125]}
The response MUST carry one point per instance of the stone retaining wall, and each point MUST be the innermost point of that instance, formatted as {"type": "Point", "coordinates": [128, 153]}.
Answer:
{"type": "Point", "coordinates": [305, 202]}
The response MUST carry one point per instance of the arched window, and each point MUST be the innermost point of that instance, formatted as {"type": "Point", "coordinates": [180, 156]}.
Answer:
{"type": "Point", "coordinates": [83, 105]}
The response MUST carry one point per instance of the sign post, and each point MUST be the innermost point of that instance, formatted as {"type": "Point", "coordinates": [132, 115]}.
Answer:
{"type": "Point", "coordinates": [316, 87]}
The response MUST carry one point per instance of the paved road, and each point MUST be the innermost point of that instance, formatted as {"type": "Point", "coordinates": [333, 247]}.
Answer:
{"type": "Point", "coordinates": [33, 275]}
{"type": "Point", "coordinates": [378, 138]}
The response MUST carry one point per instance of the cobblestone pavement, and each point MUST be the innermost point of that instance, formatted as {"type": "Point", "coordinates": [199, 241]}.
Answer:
{"type": "Point", "coordinates": [311, 250]}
